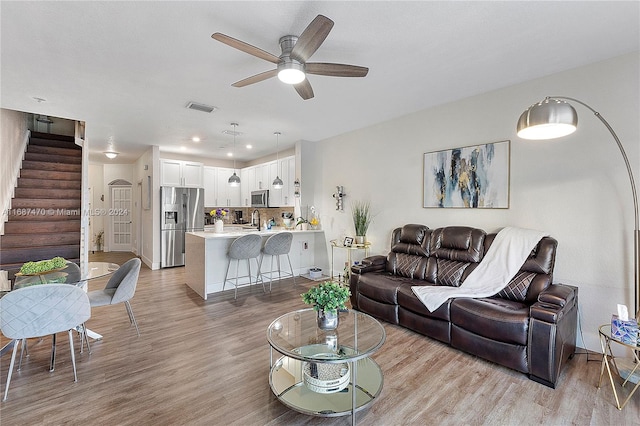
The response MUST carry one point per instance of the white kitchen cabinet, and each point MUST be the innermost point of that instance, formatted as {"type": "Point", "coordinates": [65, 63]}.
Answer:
{"type": "Point", "coordinates": [287, 170]}
{"type": "Point", "coordinates": [227, 195]}
{"type": "Point", "coordinates": [181, 173]}
{"type": "Point", "coordinates": [210, 186]}
{"type": "Point", "coordinates": [245, 194]}
{"type": "Point", "coordinates": [275, 195]}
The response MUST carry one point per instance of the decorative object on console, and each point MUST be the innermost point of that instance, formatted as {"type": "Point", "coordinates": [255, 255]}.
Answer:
{"type": "Point", "coordinates": [469, 177]}
{"type": "Point", "coordinates": [361, 213]}
{"type": "Point", "coordinates": [553, 118]}
{"type": "Point", "coordinates": [327, 299]}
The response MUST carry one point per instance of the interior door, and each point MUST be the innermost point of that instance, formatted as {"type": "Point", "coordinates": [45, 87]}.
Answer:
{"type": "Point", "coordinates": [120, 215]}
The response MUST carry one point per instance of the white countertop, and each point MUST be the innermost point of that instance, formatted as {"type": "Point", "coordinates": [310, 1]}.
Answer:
{"type": "Point", "coordinates": [234, 233]}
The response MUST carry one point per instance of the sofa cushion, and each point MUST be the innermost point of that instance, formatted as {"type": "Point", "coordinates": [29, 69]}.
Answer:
{"type": "Point", "coordinates": [535, 275]}
{"type": "Point", "coordinates": [497, 319]}
{"type": "Point", "coordinates": [408, 300]}
{"type": "Point", "coordinates": [409, 251]}
{"type": "Point", "coordinates": [382, 286]}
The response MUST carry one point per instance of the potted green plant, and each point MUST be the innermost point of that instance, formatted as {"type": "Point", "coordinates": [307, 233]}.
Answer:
{"type": "Point", "coordinates": [361, 213]}
{"type": "Point", "coordinates": [327, 298]}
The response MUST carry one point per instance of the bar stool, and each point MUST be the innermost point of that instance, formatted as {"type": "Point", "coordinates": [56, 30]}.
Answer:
{"type": "Point", "coordinates": [246, 247]}
{"type": "Point", "coordinates": [277, 245]}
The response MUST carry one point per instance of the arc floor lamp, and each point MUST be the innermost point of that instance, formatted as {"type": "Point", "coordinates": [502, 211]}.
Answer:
{"type": "Point", "coordinates": [554, 117]}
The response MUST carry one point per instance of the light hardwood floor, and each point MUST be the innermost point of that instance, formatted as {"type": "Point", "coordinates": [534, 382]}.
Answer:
{"type": "Point", "coordinates": [207, 363]}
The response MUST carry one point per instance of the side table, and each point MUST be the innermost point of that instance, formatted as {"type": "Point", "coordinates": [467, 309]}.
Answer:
{"type": "Point", "coordinates": [303, 346]}
{"type": "Point", "coordinates": [335, 244]}
{"type": "Point", "coordinates": [609, 362]}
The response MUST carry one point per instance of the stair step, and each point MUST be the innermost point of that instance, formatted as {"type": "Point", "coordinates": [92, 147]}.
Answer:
{"type": "Point", "coordinates": [41, 215]}
{"type": "Point", "coordinates": [62, 194]}
{"type": "Point", "coordinates": [50, 175]}
{"type": "Point", "coordinates": [52, 136]}
{"type": "Point", "coordinates": [22, 255]}
{"type": "Point", "coordinates": [49, 183]}
{"type": "Point", "coordinates": [45, 203]}
{"type": "Point", "coordinates": [52, 158]}
{"type": "Point", "coordinates": [40, 239]}
{"type": "Point", "coordinates": [39, 224]}
{"type": "Point", "coordinates": [57, 167]}
{"type": "Point", "coordinates": [43, 149]}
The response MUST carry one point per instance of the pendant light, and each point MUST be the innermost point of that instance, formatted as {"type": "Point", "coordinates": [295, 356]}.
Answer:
{"type": "Point", "coordinates": [277, 182]}
{"type": "Point", "coordinates": [234, 180]}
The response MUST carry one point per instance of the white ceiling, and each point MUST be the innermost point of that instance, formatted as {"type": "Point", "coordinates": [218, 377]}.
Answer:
{"type": "Point", "coordinates": [128, 69]}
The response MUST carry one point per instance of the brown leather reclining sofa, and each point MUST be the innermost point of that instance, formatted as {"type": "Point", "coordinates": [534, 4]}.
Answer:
{"type": "Point", "coordinates": [530, 326]}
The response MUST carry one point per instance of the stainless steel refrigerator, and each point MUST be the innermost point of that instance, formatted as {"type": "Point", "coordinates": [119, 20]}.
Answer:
{"type": "Point", "coordinates": [182, 211]}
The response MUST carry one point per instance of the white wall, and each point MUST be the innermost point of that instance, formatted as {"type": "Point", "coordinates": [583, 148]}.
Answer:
{"type": "Point", "coordinates": [576, 188]}
{"type": "Point", "coordinates": [13, 142]}
{"type": "Point", "coordinates": [149, 219]}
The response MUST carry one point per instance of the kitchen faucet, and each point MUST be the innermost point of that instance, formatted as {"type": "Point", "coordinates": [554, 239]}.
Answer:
{"type": "Point", "coordinates": [253, 221]}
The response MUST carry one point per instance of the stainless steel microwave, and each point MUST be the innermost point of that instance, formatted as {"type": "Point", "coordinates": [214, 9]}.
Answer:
{"type": "Point", "coordinates": [260, 198]}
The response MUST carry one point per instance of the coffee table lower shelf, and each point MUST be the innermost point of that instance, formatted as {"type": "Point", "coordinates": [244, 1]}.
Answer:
{"type": "Point", "coordinates": [287, 383]}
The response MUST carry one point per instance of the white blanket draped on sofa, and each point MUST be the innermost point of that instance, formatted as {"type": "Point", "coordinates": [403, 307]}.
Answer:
{"type": "Point", "coordinates": [508, 252]}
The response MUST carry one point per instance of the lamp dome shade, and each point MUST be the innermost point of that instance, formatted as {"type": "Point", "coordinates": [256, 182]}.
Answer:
{"type": "Point", "coordinates": [234, 180]}
{"type": "Point", "coordinates": [549, 119]}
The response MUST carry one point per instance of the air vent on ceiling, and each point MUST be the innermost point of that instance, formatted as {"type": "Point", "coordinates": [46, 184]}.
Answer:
{"type": "Point", "coordinates": [201, 107]}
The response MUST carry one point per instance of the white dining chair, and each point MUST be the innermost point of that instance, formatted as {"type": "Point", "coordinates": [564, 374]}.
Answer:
{"type": "Point", "coordinates": [42, 310]}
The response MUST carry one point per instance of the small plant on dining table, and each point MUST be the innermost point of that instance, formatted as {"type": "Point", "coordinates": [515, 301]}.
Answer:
{"type": "Point", "coordinates": [328, 296]}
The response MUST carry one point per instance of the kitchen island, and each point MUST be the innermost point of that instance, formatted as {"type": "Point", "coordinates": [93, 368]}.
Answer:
{"type": "Point", "coordinates": [206, 257]}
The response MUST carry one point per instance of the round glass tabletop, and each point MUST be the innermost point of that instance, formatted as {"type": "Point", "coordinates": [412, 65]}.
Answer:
{"type": "Point", "coordinates": [70, 274]}
{"type": "Point", "coordinates": [296, 335]}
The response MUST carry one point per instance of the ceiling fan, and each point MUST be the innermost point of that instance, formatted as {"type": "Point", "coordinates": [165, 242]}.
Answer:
{"type": "Point", "coordinates": [292, 65]}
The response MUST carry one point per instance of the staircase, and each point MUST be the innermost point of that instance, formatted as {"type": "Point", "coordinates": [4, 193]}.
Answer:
{"type": "Point", "coordinates": [44, 220]}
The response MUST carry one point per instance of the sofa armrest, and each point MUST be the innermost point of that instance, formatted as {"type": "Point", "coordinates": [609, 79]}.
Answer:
{"type": "Point", "coordinates": [370, 264]}
{"type": "Point", "coordinates": [554, 302]}
{"type": "Point", "coordinates": [552, 332]}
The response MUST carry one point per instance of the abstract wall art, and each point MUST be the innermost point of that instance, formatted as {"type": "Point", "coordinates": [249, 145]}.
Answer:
{"type": "Point", "coordinates": [474, 177]}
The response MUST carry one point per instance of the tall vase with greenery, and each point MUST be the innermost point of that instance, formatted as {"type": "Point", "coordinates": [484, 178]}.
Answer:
{"type": "Point", "coordinates": [361, 213]}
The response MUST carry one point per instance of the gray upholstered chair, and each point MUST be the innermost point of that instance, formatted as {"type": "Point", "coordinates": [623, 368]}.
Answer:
{"type": "Point", "coordinates": [41, 310]}
{"type": "Point", "coordinates": [119, 289]}
{"type": "Point", "coordinates": [277, 245]}
{"type": "Point", "coordinates": [246, 248]}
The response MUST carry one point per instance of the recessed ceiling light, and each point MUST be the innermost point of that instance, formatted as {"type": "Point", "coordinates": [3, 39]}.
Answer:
{"type": "Point", "coordinates": [183, 148]}
{"type": "Point", "coordinates": [249, 146]}
{"type": "Point", "coordinates": [229, 154]}
{"type": "Point", "coordinates": [195, 139]}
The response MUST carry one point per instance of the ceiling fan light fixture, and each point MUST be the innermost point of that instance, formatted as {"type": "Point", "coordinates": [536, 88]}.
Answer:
{"type": "Point", "coordinates": [291, 72]}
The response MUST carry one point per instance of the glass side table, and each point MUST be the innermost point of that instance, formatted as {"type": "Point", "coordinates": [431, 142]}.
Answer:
{"type": "Point", "coordinates": [335, 244]}
{"type": "Point", "coordinates": [609, 362]}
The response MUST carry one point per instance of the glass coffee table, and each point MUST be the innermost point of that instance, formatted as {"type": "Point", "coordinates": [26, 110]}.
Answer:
{"type": "Point", "coordinates": [325, 373]}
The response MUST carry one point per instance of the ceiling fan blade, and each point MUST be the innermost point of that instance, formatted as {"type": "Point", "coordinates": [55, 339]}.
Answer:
{"type": "Point", "coordinates": [304, 89]}
{"type": "Point", "coordinates": [335, 70]}
{"type": "Point", "coordinates": [256, 78]}
{"type": "Point", "coordinates": [245, 47]}
{"type": "Point", "coordinates": [311, 38]}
